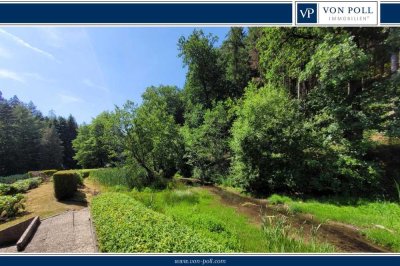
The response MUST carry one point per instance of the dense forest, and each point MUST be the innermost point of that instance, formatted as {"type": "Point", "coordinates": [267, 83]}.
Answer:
{"type": "Point", "coordinates": [30, 141]}
{"type": "Point", "coordinates": [289, 110]}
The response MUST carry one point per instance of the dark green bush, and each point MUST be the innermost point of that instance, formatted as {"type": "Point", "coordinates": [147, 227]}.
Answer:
{"type": "Point", "coordinates": [10, 206]}
{"type": "Point", "coordinates": [65, 184]}
{"type": "Point", "coordinates": [125, 225]}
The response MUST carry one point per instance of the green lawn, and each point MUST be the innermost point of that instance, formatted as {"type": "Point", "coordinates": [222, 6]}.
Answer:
{"type": "Point", "coordinates": [202, 212]}
{"type": "Point", "coordinates": [379, 221]}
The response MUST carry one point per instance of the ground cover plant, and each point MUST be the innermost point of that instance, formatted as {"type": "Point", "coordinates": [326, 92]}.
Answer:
{"type": "Point", "coordinates": [203, 212]}
{"type": "Point", "coordinates": [378, 220]}
{"type": "Point", "coordinates": [126, 225]}
{"type": "Point", "coordinates": [20, 186]}
{"type": "Point", "coordinates": [13, 178]}
{"type": "Point", "coordinates": [11, 206]}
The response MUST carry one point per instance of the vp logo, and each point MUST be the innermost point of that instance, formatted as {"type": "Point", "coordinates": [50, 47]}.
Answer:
{"type": "Point", "coordinates": [307, 13]}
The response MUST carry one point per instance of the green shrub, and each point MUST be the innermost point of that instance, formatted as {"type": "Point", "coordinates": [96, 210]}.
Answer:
{"type": "Point", "coordinates": [20, 186]}
{"type": "Point", "coordinates": [267, 141]}
{"type": "Point", "coordinates": [5, 189]}
{"type": "Point", "coordinates": [65, 184]}
{"type": "Point", "coordinates": [125, 225]}
{"type": "Point", "coordinates": [10, 206]}
{"type": "Point", "coordinates": [13, 178]}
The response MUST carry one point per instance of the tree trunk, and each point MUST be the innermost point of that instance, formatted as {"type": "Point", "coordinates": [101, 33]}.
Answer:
{"type": "Point", "coordinates": [394, 62]}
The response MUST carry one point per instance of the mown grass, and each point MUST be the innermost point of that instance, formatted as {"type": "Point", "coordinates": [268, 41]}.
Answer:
{"type": "Point", "coordinates": [379, 221]}
{"type": "Point", "coordinates": [204, 213]}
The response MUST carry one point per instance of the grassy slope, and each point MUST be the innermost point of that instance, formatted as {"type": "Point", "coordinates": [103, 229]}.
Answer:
{"type": "Point", "coordinates": [41, 202]}
{"type": "Point", "coordinates": [203, 212]}
{"type": "Point", "coordinates": [379, 221]}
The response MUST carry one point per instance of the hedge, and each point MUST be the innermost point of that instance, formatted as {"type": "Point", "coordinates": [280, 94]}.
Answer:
{"type": "Point", "coordinates": [65, 184]}
{"type": "Point", "coordinates": [125, 225]}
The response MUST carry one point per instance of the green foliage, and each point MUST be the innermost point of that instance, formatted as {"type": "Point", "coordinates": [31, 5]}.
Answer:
{"type": "Point", "coordinates": [65, 184]}
{"type": "Point", "coordinates": [99, 144]}
{"type": "Point", "coordinates": [51, 149]}
{"type": "Point", "coordinates": [152, 138]}
{"type": "Point", "coordinates": [235, 57]}
{"type": "Point", "coordinates": [125, 225]}
{"type": "Point", "coordinates": [377, 220]}
{"type": "Point", "coordinates": [28, 141]}
{"type": "Point", "coordinates": [205, 81]}
{"type": "Point", "coordinates": [11, 206]}
{"type": "Point", "coordinates": [132, 177]}
{"type": "Point", "coordinates": [12, 178]}
{"type": "Point", "coordinates": [278, 199]}
{"type": "Point", "coordinates": [204, 213]}
{"type": "Point", "coordinates": [207, 146]}
{"type": "Point", "coordinates": [67, 131]}
{"type": "Point", "coordinates": [397, 188]}
{"type": "Point", "coordinates": [267, 141]}
{"type": "Point", "coordinates": [20, 186]}
{"type": "Point", "coordinates": [281, 237]}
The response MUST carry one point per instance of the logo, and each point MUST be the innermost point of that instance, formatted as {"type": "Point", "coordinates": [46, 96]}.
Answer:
{"type": "Point", "coordinates": [307, 13]}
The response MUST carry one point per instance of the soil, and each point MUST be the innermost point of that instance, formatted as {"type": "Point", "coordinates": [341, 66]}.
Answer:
{"type": "Point", "coordinates": [345, 238]}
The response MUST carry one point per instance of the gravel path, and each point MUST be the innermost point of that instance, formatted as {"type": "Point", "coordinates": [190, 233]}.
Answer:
{"type": "Point", "coordinates": [70, 232]}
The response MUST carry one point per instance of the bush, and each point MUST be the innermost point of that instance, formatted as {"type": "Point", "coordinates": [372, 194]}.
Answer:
{"type": "Point", "coordinates": [20, 186]}
{"type": "Point", "coordinates": [13, 178]}
{"type": "Point", "coordinates": [65, 184]}
{"type": "Point", "coordinates": [125, 225]}
{"type": "Point", "coordinates": [10, 206]}
{"type": "Point", "coordinates": [267, 141]}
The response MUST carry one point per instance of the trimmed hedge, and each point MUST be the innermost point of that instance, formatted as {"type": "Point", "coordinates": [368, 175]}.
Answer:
{"type": "Point", "coordinates": [65, 184]}
{"type": "Point", "coordinates": [10, 206]}
{"type": "Point", "coordinates": [126, 225]}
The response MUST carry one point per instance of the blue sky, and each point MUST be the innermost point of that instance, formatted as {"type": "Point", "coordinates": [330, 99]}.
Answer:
{"type": "Point", "coordinates": [84, 71]}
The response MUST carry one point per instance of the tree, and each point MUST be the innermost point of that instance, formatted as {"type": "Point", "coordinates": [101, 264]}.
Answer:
{"type": "Point", "coordinates": [51, 149]}
{"type": "Point", "coordinates": [267, 141]}
{"type": "Point", "coordinates": [67, 131]}
{"type": "Point", "coordinates": [151, 138]}
{"type": "Point", "coordinates": [235, 59]}
{"type": "Point", "coordinates": [27, 135]}
{"type": "Point", "coordinates": [171, 96]}
{"type": "Point", "coordinates": [205, 81]}
{"type": "Point", "coordinates": [99, 144]}
{"type": "Point", "coordinates": [207, 146]}
{"type": "Point", "coordinates": [7, 139]}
